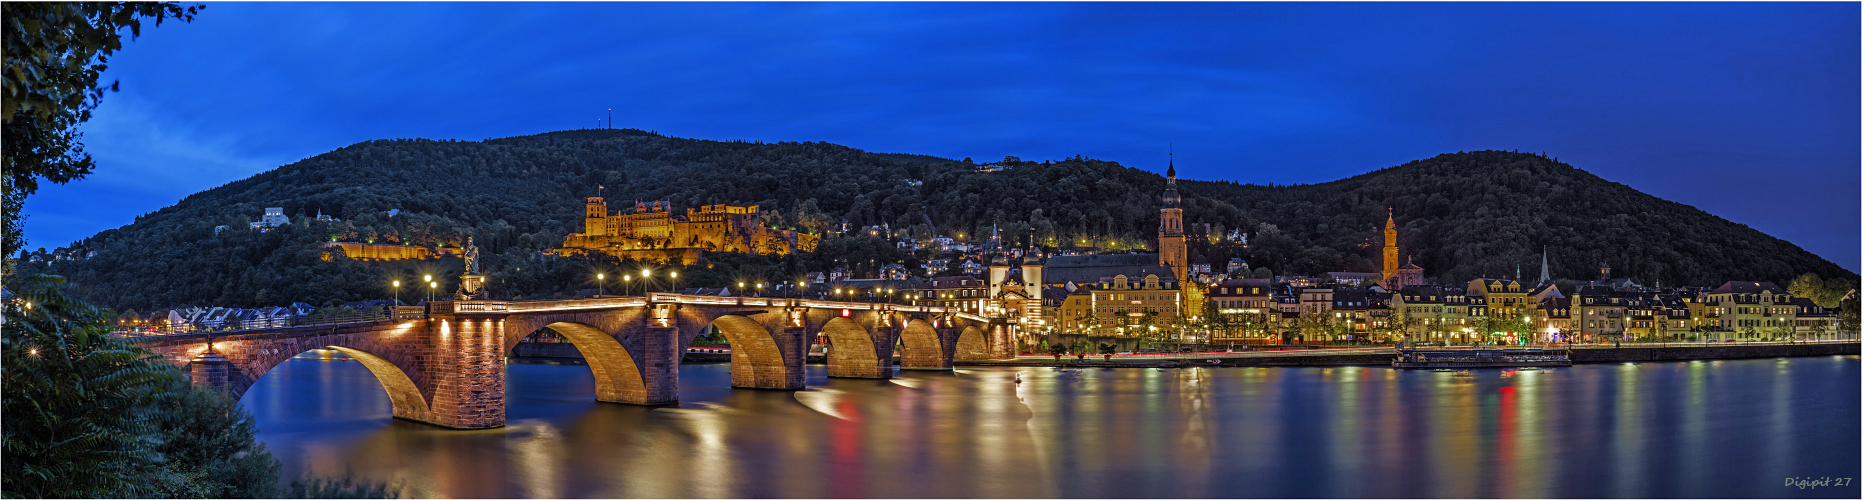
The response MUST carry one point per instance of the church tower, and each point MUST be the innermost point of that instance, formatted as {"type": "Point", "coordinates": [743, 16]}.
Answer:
{"type": "Point", "coordinates": [1390, 271]}
{"type": "Point", "coordinates": [1172, 252]}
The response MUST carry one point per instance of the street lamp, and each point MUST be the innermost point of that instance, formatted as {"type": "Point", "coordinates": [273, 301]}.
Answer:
{"type": "Point", "coordinates": [598, 284]}
{"type": "Point", "coordinates": [431, 288]}
{"type": "Point", "coordinates": [675, 276]}
{"type": "Point", "coordinates": [397, 292]}
{"type": "Point", "coordinates": [626, 280]}
{"type": "Point", "coordinates": [760, 288]}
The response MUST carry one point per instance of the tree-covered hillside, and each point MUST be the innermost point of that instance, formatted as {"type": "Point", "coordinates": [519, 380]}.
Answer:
{"type": "Point", "coordinates": [1462, 215]}
{"type": "Point", "coordinates": [1490, 213]}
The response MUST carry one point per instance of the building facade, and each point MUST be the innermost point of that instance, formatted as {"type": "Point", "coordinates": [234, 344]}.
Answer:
{"type": "Point", "coordinates": [652, 232]}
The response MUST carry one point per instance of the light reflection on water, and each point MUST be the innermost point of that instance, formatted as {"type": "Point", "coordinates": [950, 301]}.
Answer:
{"type": "Point", "coordinates": [1695, 429]}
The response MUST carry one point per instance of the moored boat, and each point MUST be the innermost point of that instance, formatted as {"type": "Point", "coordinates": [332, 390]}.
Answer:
{"type": "Point", "coordinates": [1480, 358]}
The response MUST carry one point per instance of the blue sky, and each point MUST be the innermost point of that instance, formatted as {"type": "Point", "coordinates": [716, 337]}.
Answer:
{"type": "Point", "coordinates": [1748, 111]}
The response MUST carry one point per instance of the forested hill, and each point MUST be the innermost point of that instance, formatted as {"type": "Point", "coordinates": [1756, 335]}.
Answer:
{"type": "Point", "coordinates": [1490, 213]}
{"type": "Point", "coordinates": [1463, 215]}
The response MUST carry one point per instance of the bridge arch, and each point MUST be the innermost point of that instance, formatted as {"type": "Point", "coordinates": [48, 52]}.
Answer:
{"type": "Point", "coordinates": [247, 361]}
{"type": "Point", "coordinates": [617, 375]}
{"type": "Point", "coordinates": [922, 348]}
{"type": "Point", "coordinates": [403, 395]}
{"type": "Point", "coordinates": [971, 345]}
{"type": "Point", "coordinates": [853, 353]}
{"type": "Point", "coordinates": [757, 361]}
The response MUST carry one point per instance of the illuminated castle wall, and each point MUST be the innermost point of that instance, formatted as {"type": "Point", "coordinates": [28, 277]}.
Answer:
{"type": "Point", "coordinates": [653, 232]}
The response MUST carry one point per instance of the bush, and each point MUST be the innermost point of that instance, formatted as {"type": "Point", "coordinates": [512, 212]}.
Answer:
{"type": "Point", "coordinates": [89, 415]}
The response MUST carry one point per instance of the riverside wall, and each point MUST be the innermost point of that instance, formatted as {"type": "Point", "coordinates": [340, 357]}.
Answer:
{"type": "Point", "coordinates": [1729, 351]}
{"type": "Point", "coordinates": [565, 351]}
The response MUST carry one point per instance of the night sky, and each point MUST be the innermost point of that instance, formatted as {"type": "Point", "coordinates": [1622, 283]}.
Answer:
{"type": "Point", "coordinates": [1747, 111]}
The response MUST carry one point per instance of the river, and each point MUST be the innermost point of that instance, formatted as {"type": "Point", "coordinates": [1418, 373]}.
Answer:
{"type": "Point", "coordinates": [1734, 428]}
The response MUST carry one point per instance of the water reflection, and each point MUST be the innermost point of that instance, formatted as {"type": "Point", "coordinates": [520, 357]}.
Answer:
{"type": "Point", "coordinates": [1698, 429]}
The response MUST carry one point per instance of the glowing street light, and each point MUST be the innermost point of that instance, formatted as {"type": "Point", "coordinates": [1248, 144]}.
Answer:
{"type": "Point", "coordinates": [598, 284]}
{"type": "Point", "coordinates": [626, 281]}
{"type": "Point", "coordinates": [431, 288]}
{"type": "Point", "coordinates": [397, 292]}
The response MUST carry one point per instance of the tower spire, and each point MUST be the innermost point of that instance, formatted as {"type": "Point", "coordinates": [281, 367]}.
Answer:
{"type": "Point", "coordinates": [1544, 278]}
{"type": "Point", "coordinates": [1171, 170]}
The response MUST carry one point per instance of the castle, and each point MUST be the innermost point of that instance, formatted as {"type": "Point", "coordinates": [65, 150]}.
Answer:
{"type": "Point", "coordinates": [653, 233]}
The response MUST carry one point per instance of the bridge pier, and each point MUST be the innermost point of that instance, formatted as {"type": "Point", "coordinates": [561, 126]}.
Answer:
{"type": "Point", "coordinates": [1002, 340]}
{"type": "Point", "coordinates": [660, 368]}
{"type": "Point", "coordinates": [210, 370]}
{"type": "Point", "coordinates": [468, 373]}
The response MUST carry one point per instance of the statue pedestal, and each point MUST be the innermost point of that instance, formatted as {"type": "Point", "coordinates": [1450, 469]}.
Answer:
{"type": "Point", "coordinates": [472, 287]}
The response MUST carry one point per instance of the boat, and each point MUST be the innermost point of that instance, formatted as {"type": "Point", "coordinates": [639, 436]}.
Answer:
{"type": "Point", "coordinates": [1480, 358]}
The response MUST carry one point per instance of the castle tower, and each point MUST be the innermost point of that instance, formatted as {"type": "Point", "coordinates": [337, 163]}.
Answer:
{"type": "Point", "coordinates": [1032, 276]}
{"type": "Point", "coordinates": [999, 273]}
{"type": "Point", "coordinates": [595, 217]}
{"type": "Point", "coordinates": [1172, 252]}
{"type": "Point", "coordinates": [1390, 269]}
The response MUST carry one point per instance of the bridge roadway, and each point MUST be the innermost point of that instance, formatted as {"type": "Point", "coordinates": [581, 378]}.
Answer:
{"type": "Point", "coordinates": [445, 364]}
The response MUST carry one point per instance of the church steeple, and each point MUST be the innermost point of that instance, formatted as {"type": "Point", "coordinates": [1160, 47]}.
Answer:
{"type": "Point", "coordinates": [1390, 268]}
{"type": "Point", "coordinates": [1171, 185]}
{"type": "Point", "coordinates": [1544, 275]}
{"type": "Point", "coordinates": [1172, 251]}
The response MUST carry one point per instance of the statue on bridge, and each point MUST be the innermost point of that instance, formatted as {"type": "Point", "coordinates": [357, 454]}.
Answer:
{"type": "Point", "coordinates": [472, 256]}
{"type": "Point", "coordinates": [472, 284]}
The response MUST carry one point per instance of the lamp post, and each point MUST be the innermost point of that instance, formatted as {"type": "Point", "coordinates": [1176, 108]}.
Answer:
{"type": "Point", "coordinates": [431, 288]}
{"type": "Point", "coordinates": [398, 292]}
{"type": "Point", "coordinates": [627, 281]}
{"type": "Point", "coordinates": [675, 285]}
{"type": "Point", "coordinates": [429, 278]}
{"type": "Point", "coordinates": [598, 284]}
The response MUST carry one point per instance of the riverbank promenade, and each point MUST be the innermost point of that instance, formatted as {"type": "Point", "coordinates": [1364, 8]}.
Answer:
{"type": "Point", "coordinates": [1382, 356]}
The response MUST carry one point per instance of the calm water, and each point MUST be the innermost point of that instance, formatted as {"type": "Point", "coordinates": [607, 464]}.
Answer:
{"type": "Point", "coordinates": [1692, 429]}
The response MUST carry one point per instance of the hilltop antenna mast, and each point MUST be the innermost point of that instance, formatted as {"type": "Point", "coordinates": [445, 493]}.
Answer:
{"type": "Point", "coordinates": [611, 117]}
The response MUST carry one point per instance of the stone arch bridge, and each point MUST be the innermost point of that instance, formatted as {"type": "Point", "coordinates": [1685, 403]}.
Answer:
{"type": "Point", "coordinates": [446, 365]}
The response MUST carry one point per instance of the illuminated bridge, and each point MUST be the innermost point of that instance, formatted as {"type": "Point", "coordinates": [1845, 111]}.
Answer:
{"type": "Point", "coordinates": [445, 364]}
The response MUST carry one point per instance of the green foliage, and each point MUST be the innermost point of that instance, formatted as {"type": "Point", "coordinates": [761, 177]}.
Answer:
{"type": "Point", "coordinates": [78, 401]}
{"type": "Point", "coordinates": [1848, 315]}
{"type": "Point", "coordinates": [1826, 293]}
{"type": "Point", "coordinates": [344, 487]}
{"type": "Point", "coordinates": [210, 447]}
{"type": "Point", "coordinates": [55, 52]}
{"type": "Point", "coordinates": [89, 415]}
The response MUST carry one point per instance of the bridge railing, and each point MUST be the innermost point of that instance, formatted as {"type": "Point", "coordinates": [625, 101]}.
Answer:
{"type": "Point", "coordinates": [331, 318]}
